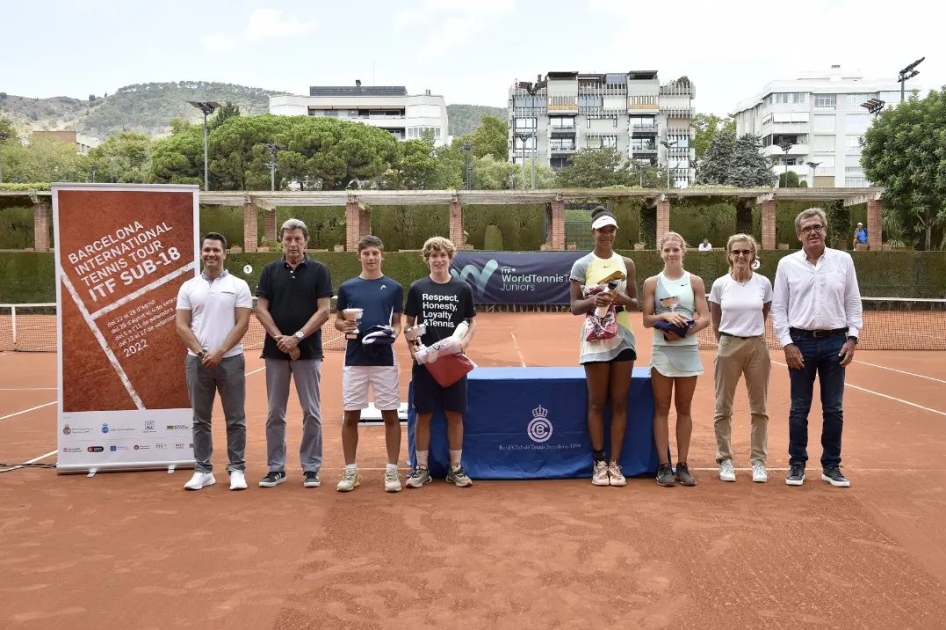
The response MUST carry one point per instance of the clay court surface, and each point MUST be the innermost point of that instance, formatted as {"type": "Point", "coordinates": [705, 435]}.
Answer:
{"type": "Point", "coordinates": [134, 550]}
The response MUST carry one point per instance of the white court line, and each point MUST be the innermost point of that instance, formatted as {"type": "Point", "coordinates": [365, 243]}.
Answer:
{"type": "Point", "coordinates": [259, 369]}
{"type": "Point", "coordinates": [522, 361]}
{"type": "Point", "coordinates": [890, 369]}
{"type": "Point", "coordinates": [27, 389]}
{"type": "Point", "coordinates": [894, 398]}
{"type": "Point", "coordinates": [20, 413]}
{"type": "Point", "coordinates": [145, 289]}
{"type": "Point", "coordinates": [112, 359]}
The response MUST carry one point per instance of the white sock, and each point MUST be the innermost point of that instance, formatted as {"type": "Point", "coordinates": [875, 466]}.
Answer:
{"type": "Point", "coordinates": [422, 459]}
{"type": "Point", "coordinates": [391, 468]}
{"type": "Point", "coordinates": [455, 458]}
{"type": "Point", "coordinates": [351, 467]}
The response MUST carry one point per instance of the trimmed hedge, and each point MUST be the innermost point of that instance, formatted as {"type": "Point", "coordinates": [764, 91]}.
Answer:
{"type": "Point", "coordinates": [30, 276]}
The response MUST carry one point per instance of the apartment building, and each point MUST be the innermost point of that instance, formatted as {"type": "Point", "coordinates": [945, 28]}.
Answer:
{"type": "Point", "coordinates": [814, 124]}
{"type": "Point", "coordinates": [632, 112]}
{"type": "Point", "coordinates": [83, 143]}
{"type": "Point", "coordinates": [405, 116]}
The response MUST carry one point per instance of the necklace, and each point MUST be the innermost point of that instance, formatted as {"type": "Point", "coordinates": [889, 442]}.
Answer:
{"type": "Point", "coordinates": [741, 283]}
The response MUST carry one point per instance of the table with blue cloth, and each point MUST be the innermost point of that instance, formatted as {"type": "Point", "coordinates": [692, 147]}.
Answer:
{"type": "Point", "coordinates": [532, 423]}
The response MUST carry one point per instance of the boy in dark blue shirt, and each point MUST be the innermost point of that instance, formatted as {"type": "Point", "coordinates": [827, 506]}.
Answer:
{"type": "Point", "coordinates": [369, 358]}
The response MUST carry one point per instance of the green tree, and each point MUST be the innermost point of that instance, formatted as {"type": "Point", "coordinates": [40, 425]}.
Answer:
{"type": "Point", "coordinates": [788, 180]}
{"type": "Point", "coordinates": [329, 154]}
{"type": "Point", "coordinates": [647, 175]}
{"type": "Point", "coordinates": [42, 160]}
{"type": "Point", "coordinates": [7, 133]}
{"type": "Point", "coordinates": [414, 166]}
{"type": "Point", "coordinates": [124, 158]}
{"type": "Point", "coordinates": [595, 168]}
{"type": "Point", "coordinates": [706, 126]}
{"type": "Point", "coordinates": [732, 161]}
{"type": "Point", "coordinates": [237, 156]}
{"type": "Point", "coordinates": [905, 152]}
{"type": "Point", "coordinates": [227, 110]}
{"type": "Point", "coordinates": [491, 138]}
{"type": "Point", "coordinates": [179, 158]}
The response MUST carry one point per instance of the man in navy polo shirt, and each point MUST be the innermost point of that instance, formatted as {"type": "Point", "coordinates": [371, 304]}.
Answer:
{"type": "Point", "coordinates": [293, 302]}
{"type": "Point", "coordinates": [369, 359]}
{"type": "Point", "coordinates": [213, 313]}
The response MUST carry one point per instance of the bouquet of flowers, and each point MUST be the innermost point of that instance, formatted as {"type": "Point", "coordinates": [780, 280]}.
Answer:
{"type": "Point", "coordinates": [602, 323]}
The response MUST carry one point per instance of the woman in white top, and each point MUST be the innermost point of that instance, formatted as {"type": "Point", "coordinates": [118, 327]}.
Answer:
{"type": "Point", "coordinates": [739, 304]}
{"type": "Point", "coordinates": [676, 298]}
{"type": "Point", "coordinates": [609, 363]}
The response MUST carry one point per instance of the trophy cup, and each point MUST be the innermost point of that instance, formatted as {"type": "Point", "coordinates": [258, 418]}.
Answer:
{"type": "Point", "coordinates": [353, 315]}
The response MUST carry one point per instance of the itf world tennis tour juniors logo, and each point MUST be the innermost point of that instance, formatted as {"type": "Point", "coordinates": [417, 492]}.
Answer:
{"type": "Point", "coordinates": [540, 427]}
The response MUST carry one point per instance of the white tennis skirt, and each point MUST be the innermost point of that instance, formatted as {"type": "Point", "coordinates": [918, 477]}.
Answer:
{"type": "Point", "coordinates": [677, 361]}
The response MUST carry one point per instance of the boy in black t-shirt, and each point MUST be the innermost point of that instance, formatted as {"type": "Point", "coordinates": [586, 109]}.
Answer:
{"type": "Point", "coordinates": [442, 303]}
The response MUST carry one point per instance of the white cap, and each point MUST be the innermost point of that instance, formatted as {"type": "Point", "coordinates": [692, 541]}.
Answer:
{"type": "Point", "coordinates": [859, 223]}
{"type": "Point", "coordinates": [602, 221]}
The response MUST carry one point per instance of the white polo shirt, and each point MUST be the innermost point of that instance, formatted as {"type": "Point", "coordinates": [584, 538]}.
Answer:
{"type": "Point", "coordinates": [213, 304]}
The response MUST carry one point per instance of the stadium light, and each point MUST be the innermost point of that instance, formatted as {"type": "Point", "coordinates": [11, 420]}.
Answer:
{"type": "Point", "coordinates": [207, 107]}
{"type": "Point", "coordinates": [874, 106]}
{"type": "Point", "coordinates": [813, 166]}
{"type": "Point", "coordinates": [668, 144]}
{"type": "Point", "coordinates": [908, 73]}
{"type": "Point", "coordinates": [273, 149]}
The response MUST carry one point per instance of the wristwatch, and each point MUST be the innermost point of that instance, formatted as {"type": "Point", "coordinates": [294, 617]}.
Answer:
{"type": "Point", "coordinates": [200, 355]}
{"type": "Point", "coordinates": [299, 335]}
{"type": "Point", "coordinates": [852, 338]}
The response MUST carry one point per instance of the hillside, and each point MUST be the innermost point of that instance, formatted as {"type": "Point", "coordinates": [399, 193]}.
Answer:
{"type": "Point", "coordinates": [466, 118]}
{"type": "Point", "coordinates": [150, 107]}
{"type": "Point", "coordinates": [145, 107]}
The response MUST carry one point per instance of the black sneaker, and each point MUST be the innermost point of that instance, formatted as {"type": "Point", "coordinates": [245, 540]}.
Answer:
{"type": "Point", "coordinates": [683, 475]}
{"type": "Point", "coordinates": [832, 474]}
{"type": "Point", "coordinates": [796, 475]}
{"type": "Point", "coordinates": [665, 475]}
{"type": "Point", "coordinates": [312, 480]}
{"type": "Point", "coordinates": [272, 479]}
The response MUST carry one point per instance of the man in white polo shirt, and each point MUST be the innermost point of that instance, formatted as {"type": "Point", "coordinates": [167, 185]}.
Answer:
{"type": "Point", "coordinates": [213, 314]}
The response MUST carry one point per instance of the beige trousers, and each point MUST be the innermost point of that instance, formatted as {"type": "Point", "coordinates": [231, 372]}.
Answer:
{"type": "Point", "coordinates": [734, 358]}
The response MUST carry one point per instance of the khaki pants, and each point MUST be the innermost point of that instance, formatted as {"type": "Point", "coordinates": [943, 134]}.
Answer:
{"type": "Point", "coordinates": [734, 358]}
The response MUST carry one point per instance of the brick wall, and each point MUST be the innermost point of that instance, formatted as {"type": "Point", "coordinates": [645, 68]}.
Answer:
{"type": "Point", "coordinates": [769, 212]}
{"type": "Point", "coordinates": [456, 224]}
{"type": "Point", "coordinates": [875, 225]}
{"type": "Point", "coordinates": [663, 218]}
{"type": "Point", "coordinates": [250, 227]}
{"type": "Point", "coordinates": [41, 220]}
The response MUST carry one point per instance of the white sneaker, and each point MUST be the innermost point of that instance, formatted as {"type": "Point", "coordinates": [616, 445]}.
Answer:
{"type": "Point", "coordinates": [392, 482]}
{"type": "Point", "coordinates": [237, 480]}
{"type": "Point", "coordinates": [599, 476]}
{"type": "Point", "coordinates": [349, 481]}
{"type": "Point", "coordinates": [726, 470]}
{"type": "Point", "coordinates": [200, 480]}
{"type": "Point", "coordinates": [758, 472]}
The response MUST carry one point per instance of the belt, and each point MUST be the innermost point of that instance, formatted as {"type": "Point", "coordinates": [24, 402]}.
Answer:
{"type": "Point", "coordinates": [726, 334]}
{"type": "Point", "coordinates": [817, 334]}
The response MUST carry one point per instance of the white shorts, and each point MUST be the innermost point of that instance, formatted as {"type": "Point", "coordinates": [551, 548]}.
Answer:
{"type": "Point", "coordinates": [383, 381]}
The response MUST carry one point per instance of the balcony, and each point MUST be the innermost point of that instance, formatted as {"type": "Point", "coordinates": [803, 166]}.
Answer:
{"type": "Point", "coordinates": [774, 150]}
{"type": "Point", "coordinates": [644, 129]}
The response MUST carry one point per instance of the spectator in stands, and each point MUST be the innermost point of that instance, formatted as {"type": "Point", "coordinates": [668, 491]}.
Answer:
{"type": "Point", "coordinates": [675, 306]}
{"type": "Point", "coordinates": [369, 359]}
{"type": "Point", "coordinates": [739, 306]}
{"type": "Point", "coordinates": [213, 314]}
{"type": "Point", "coordinates": [294, 295]}
{"type": "Point", "coordinates": [444, 304]}
{"type": "Point", "coordinates": [609, 362]}
{"type": "Point", "coordinates": [860, 234]}
{"type": "Point", "coordinates": [706, 246]}
{"type": "Point", "coordinates": [816, 314]}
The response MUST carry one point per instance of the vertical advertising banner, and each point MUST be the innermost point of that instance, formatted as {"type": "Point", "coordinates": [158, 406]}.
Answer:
{"type": "Point", "coordinates": [122, 253]}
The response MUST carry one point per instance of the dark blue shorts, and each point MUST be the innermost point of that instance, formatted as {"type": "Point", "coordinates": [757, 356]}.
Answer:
{"type": "Point", "coordinates": [429, 395]}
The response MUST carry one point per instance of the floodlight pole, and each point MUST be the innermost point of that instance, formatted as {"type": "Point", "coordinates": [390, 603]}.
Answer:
{"type": "Point", "coordinates": [273, 149]}
{"type": "Point", "coordinates": [668, 144]}
{"type": "Point", "coordinates": [207, 107]}
{"type": "Point", "coordinates": [908, 73]}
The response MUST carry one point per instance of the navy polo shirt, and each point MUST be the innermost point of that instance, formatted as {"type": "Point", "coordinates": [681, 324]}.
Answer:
{"type": "Point", "coordinates": [293, 296]}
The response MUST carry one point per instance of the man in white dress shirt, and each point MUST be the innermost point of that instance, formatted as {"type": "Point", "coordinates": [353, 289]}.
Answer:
{"type": "Point", "coordinates": [816, 314]}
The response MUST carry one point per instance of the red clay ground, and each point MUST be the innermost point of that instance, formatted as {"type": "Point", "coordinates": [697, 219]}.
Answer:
{"type": "Point", "coordinates": [133, 550]}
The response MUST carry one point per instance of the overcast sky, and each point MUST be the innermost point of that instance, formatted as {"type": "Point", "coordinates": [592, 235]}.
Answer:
{"type": "Point", "coordinates": [469, 51]}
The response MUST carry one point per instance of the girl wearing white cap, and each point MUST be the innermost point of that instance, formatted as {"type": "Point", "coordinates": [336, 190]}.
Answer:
{"type": "Point", "coordinates": [608, 362]}
{"type": "Point", "coordinates": [671, 300]}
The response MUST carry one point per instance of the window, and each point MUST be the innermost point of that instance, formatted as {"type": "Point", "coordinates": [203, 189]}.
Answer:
{"type": "Point", "coordinates": [642, 121]}
{"type": "Point", "coordinates": [854, 101]}
{"type": "Point", "coordinates": [524, 123]}
{"type": "Point", "coordinates": [609, 142]}
{"type": "Point", "coordinates": [642, 144]}
{"type": "Point", "coordinates": [823, 124]}
{"type": "Point", "coordinates": [855, 182]}
{"type": "Point", "coordinates": [823, 144]}
{"type": "Point", "coordinates": [530, 143]}
{"type": "Point", "coordinates": [852, 161]}
{"type": "Point", "coordinates": [825, 101]}
{"type": "Point", "coordinates": [853, 142]}
{"type": "Point", "coordinates": [562, 144]}
{"type": "Point", "coordinates": [790, 97]}
{"type": "Point", "coordinates": [857, 124]}
{"type": "Point", "coordinates": [562, 122]}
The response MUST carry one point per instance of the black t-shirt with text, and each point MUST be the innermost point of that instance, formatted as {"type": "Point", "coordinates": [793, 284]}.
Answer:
{"type": "Point", "coordinates": [442, 307]}
{"type": "Point", "coordinates": [293, 296]}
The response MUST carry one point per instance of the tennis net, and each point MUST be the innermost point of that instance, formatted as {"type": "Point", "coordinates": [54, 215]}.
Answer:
{"type": "Point", "coordinates": [889, 324]}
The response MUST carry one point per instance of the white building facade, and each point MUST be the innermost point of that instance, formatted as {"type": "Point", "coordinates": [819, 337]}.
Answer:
{"type": "Point", "coordinates": [821, 120]}
{"type": "Point", "coordinates": [406, 117]}
{"type": "Point", "coordinates": [632, 112]}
